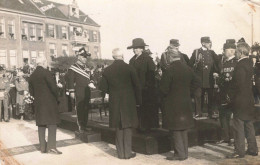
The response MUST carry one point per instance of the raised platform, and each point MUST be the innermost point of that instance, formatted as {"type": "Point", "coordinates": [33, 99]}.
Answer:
{"type": "Point", "coordinates": [157, 141]}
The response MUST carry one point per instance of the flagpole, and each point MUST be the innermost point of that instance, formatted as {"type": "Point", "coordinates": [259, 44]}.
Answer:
{"type": "Point", "coordinates": [252, 30]}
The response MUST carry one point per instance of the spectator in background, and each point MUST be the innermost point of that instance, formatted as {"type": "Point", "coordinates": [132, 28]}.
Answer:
{"type": "Point", "coordinates": [26, 67]}
{"type": "Point", "coordinates": [22, 89]}
{"type": "Point", "coordinates": [4, 94]}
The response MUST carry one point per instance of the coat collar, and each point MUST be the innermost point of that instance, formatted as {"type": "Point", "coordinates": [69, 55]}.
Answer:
{"type": "Point", "coordinates": [242, 58]}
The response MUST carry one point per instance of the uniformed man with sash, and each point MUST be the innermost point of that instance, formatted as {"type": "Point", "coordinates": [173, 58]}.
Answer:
{"type": "Point", "coordinates": [226, 66]}
{"type": "Point", "coordinates": [79, 84]}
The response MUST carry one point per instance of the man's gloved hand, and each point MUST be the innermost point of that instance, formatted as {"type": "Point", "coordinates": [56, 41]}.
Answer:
{"type": "Point", "coordinates": [92, 86]}
{"type": "Point", "coordinates": [72, 95]}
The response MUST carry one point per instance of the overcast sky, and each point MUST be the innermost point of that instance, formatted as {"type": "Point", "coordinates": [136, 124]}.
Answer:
{"type": "Point", "coordinates": [158, 21]}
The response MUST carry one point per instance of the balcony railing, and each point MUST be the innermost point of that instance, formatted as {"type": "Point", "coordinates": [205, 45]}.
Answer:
{"type": "Point", "coordinates": [78, 38]}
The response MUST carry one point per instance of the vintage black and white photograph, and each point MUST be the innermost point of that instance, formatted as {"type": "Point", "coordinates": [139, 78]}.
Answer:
{"type": "Point", "coordinates": [129, 82]}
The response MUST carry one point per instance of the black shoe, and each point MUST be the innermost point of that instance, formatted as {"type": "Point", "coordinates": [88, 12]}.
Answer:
{"type": "Point", "coordinates": [176, 158]}
{"type": "Point", "coordinates": [234, 156]}
{"type": "Point", "coordinates": [252, 153]}
{"type": "Point", "coordinates": [7, 120]}
{"type": "Point", "coordinates": [131, 156]}
{"type": "Point", "coordinates": [54, 151]}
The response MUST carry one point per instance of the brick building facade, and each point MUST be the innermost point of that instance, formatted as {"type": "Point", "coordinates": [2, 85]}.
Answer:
{"type": "Point", "coordinates": [33, 28]}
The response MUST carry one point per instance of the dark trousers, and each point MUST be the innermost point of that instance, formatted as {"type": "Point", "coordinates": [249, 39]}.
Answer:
{"type": "Point", "coordinates": [224, 118]}
{"type": "Point", "coordinates": [82, 114]}
{"type": "Point", "coordinates": [199, 98]}
{"type": "Point", "coordinates": [5, 101]}
{"type": "Point", "coordinates": [51, 143]}
{"type": "Point", "coordinates": [124, 142]}
{"type": "Point", "coordinates": [82, 106]}
{"type": "Point", "coordinates": [242, 128]}
{"type": "Point", "coordinates": [180, 143]}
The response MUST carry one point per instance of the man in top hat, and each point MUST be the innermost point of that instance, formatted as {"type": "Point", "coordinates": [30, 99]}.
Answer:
{"type": "Point", "coordinates": [203, 61]}
{"type": "Point", "coordinates": [4, 94]}
{"type": "Point", "coordinates": [120, 81]}
{"type": "Point", "coordinates": [226, 66]}
{"type": "Point", "coordinates": [79, 84]}
{"type": "Point", "coordinates": [148, 114]}
{"type": "Point", "coordinates": [243, 104]}
{"type": "Point", "coordinates": [171, 51]}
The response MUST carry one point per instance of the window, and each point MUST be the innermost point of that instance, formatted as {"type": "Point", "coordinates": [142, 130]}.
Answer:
{"type": "Point", "coordinates": [86, 34]}
{"type": "Point", "coordinates": [32, 32]}
{"type": "Point", "coordinates": [65, 50]}
{"type": "Point", "coordinates": [39, 32]}
{"type": "Point", "coordinates": [77, 31]}
{"type": "Point", "coordinates": [26, 55]}
{"type": "Point", "coordinates": [33, 57]}
{"type": "Point", "coordinates": [87, 48]}
{"type": "Point", "coordinates": [51, 31]}
{"type": "Point", "coordinates": [24, 31]}
{"type": "Point", "coordinates": [95, 36]}
{"type": "Point", "coordinates": [41, 54]}
{"type": "Point", "coordinates": [3, 59]}
{"type": "Point", "coordinates": [53, 51]}
{"type": "Point", "coordinates": [11, 29]}
{"type": "Point", "coordinates": [64, 31]}
{"type": "Point", "coordinates": [96, 52]}
{"type": "Point", "coordinates": [2, 28]}
{"type": "Point", "coordinates": [13, 59]}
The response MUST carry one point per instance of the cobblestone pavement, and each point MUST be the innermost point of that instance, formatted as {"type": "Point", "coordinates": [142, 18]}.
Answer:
{"type": "Point", "coordinates": [19, 143]}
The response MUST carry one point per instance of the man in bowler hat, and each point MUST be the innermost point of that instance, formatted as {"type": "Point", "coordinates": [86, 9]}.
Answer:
{"type": "Point", "coordinates": [79, 84]}
{"type": "Point", "coordinates": [148, 113]}
{"type": "Point", "coordinates": [243, 104]}
{"type": "Point", "coordinates": [203, 61]}
{"type": "Point", "coordinates": [120, 81]}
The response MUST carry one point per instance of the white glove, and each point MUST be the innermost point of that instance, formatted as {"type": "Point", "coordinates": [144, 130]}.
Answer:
{"type": "Point", "coordinates": [59, 85]}
{"type": "Point", "coordinates": [92, 86]}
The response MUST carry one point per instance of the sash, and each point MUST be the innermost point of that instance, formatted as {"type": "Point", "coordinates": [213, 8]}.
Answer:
{"type": "Point", "coordinates": [80, 71]}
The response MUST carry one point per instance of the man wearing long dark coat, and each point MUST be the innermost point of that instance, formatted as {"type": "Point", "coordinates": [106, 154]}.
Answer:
{"type": "Point", "coordinates": [177, 82]}
{"type": "Point", "coordinates": [120, 81]}
{"type": "Point", "coordinates": [43, 88]}
{"type": "Point", "coordinates": [243, 104]}
{"type": "Point", "coordinates": [148, 113]}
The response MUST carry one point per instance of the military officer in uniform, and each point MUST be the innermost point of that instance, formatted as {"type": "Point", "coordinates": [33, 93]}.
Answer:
{"type": "Point", "coordinates": [226, 67]}
{"type": "Point", "coordinates": [203, 61]}
{"type": "Point", "coordinates": [79, 84]}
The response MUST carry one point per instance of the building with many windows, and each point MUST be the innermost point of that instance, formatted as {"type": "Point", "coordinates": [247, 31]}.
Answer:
{"type": "Point", "coordinates": [33, 28]}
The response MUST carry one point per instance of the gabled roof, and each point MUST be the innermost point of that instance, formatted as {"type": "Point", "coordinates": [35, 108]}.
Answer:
{"type": "Point", "coordinates": [50, 9]}
{"type": "Point", "coordinates": [46, 8]}
{"type": "Point", "coordinates": [25, 6]}
{"type": "Point", "coordinates": [61, 11]}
